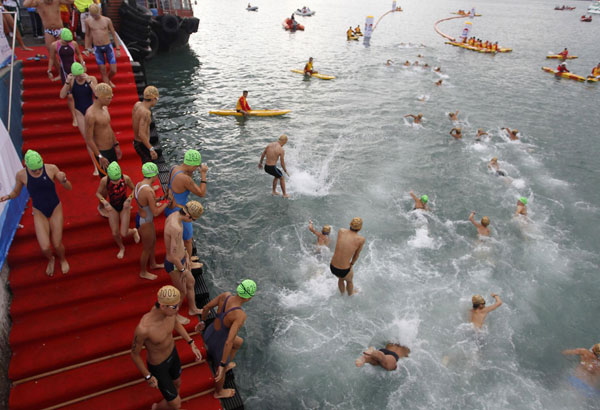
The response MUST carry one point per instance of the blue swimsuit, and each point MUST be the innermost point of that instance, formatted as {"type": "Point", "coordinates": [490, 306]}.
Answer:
{"type": "Point", "coordinates": [42, 192]}
{"type": "Point", "coordinates": [215, 339]}
{"type": "Point", "coordinates": [180, 199]}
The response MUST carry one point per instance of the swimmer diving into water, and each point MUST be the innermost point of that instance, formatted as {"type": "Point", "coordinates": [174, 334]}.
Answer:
{"type": "Point", "coordinates": [456, 133]}
{"type": "Point", "coordinates": [386, 358]}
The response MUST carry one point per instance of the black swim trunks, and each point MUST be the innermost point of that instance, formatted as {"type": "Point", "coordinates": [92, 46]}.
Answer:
{"type": "Point", "coordinates": [500, 173]}
{"type": "Point", "coordinates": [340, 273]}
{"type": "Point", "coordinates": [142, 151]}
{"type": "Point", "coordinates": [165, 373]}
{"type": "Point", "coordinates": [273, 170]}
{"type": "Point", "coordinates": [386, 351]}
{"type": "Point", "coordinates": [110, 155]}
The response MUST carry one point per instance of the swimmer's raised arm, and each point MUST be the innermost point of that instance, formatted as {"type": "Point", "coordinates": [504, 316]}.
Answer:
{"type": "Point", "coordinates": [495, 305]}
{"type": "Point", "coordinates": [575, 351]}
{"type": "Point", "coordinates": [313, 230]}
{"type": "Point", "coordinates": [472, 219]}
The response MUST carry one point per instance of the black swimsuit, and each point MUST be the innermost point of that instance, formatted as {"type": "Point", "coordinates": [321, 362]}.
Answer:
{"type": "Point", "coordinates": [386, 351]}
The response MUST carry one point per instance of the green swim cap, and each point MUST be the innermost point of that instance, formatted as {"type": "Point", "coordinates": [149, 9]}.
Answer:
{"type": "Point", "coordinates": [66, 34]}
{"type": "Point", "coordinates": [246, 289]}
{"type": "Point", "coordinates": [33, 160]}
{"type": "Point", "coordinates": [149, 169]}
{"type": "Point", "coordinates": [424, 198]}
{"type": "Point", "coordinates": [523, 200]}
{"type": "Point", "coordinates": [192, 157]}
{"type": "Point", "coordinates": [76, 68]}
{"type": "Point", "coordinates": [114, 171]}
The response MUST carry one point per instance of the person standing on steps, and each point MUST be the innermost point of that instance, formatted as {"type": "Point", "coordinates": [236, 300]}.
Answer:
{"type": "Point", "coordinates": [221, 339]}
{"type": "Point", "coordinates": [38, 178]}
{"type": "Point", "coordinates": [118, 207]}
{"type": "Point", "coordinates": [81, 88]}
{"type": "Point", "coordinates": [97, 30]}
{"type": "Point", "coordinates": [274, 152]}
{"type": "Point", "coordinates": [177, 260]}
{"type": "Point", "coordinates": [141, 119]}
{"type": "Point", "coordinates": [65, 51]}
{"type": "Point", "coordinates": [148, 208]}
{"type": "Point", "coordinates": [99, 135]}
{"type": "Point", "coordinates": [347, 250]}
{"type": "Point", "coordinates": [162, 369]}
{"type": "Point", "coordinates": [181, 185]}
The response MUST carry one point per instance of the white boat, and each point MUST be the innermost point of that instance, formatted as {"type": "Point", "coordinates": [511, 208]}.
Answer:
{"type": "Point", "coordinates": [308, 12]}
{"type": "Point", "coordinates": [594, 8]}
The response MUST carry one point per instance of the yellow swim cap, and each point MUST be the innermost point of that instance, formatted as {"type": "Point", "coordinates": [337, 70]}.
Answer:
{"type": "Point", "coordinates": [195, 209]}
{"type": "Point", "coordinates": [596, 349]}
{"type": "Point", "coordinates": [283, 138]}
{"type": "Point", "coordinates": [94, 9]}
{"type": "Point", "coordinates": [478, 300]}
{"type": "Point", "coordinates": [103, 90]}
{"type": "Point", "coordinates": [485, 221]}
{"type": "Point", "coordinates": [168, 295]}
{"type": "Point", "coordinates": [495, 159]}
{"type": "Point", "coordinates": [515, 131]}
{"type": "Point", "coordinates": [150, 92]}
{"type": "Point", "coordinates": [326, 229]}
{"type": "Point", "coordinates": [356, 224]}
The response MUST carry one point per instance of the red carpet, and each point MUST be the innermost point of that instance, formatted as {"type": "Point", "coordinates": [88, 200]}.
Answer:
{"type": "Point", "coordinates": [79, 326]}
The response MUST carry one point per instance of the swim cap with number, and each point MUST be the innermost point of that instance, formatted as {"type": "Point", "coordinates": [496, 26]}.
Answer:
{"type": "Point", "coordinates": [76, 68]}
{"type": "Point", "coordinates": [114, 171]}
{"type": "Point", "coordinates": [149, 169]}
{"type": "Point", "coordinates": [66, 34]}
{"type": "Point", "coordinates": [246, 289]}
{"type": "Point", "coordinates": [195, 209]}
{"type": "Point", "coordinates": [33, 160]}
{"type": "Point", "coordinates": [523, 200]}
{"type": "Point", "coordinates": [168, 295]}
{"type": "Point", "coordinates": [424, 198]}
{"type": "Point", "coordinates": [192, 157]}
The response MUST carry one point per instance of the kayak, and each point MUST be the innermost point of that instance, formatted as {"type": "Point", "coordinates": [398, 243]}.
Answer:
{"type": "Point", "coordinates": [591, 79]}
{"type": "Point", "coordinates": [479, 49]}
{"type": "Point", "coordinates": [586, 19]}
{"type": "Point", "coordinates": [317, 75]}
{"type": "Point", "coordinates": [253, 8]}
{"type": "Point", "coordinates": [465, 14]}
{"type": "Point", "coordinates": [358, 34]}
{"type": "Point", "coordinates": [570, 76]}
{"type": "Point", "coordinates": [558, 56]}
{"type": "Point", "coordinates": [353, 38]}
{"type": "Point", "coordinates": [289, 25]}
{"type": "Point", "coordinates": [253, 113]}
{"type": "Point", "coordinates": [306, 14]}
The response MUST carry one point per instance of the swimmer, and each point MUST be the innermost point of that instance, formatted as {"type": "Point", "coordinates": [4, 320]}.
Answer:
{"type": "Point", "coordinates": [479, 311]}
{"type": "Point", "coordinates": [426, 65]}
{"type": "Point", "coordinates": [416, 63]}
{"type": "Point", "coordinates": [177, 260]}
{"type": "Point", "coordinates": [521, 206]}
{"type": "Point", "coordinates": [480, 133]}
{"type": "Point", "coordinates": [222, 341]}
{"type": "Point", "coordinates": [512, 134]}
{"type": "Point", "coordinates": [406, 63]}
{"type": "Point", "coordinates": [242, 105]}
{"type": "Point", "coordinates": [456, 133]}
{"type": "Point", "coordinates": [141, 117]}
{"type": "Point", "coordinates": [416, 118]}
{"type": "Point", "coordinates": [38, 178]}
{"type": "Point", "coordinates": [162, 369]}
{"type": "Point", "coordinates": [438, 69]}
{"type": "Point", "coordinates": [420, 55]}
{"type": "Point", "coordinates": [493, 165]}
{"type": "Point", "coordinates": [587, 374]}
{"type": "Point", "coordinates": [308, 68]}
{"type": "Point", "coordinates": [386, 358]}
{"type": "Point", "coordinates": [482, 228]}
{"type": "Point", "coordinates": [389, 62]}
{"type": "Point", "coordinates": [323, 238]}
{"type": "Point", "coordinates": [274, 151]}
{"type": "Point", "coordinates": [347, 248]}
{"type": "Point", "coordinates": [98, 29]}
{"type": "Point", "coordinates": [420, 203]}
{"type": "Point", "coordinates": [49, 11]}
{"type": "Point", "coordinates": [453, 116]}
{"type": "Point", "coordinates": [118, 206]}
{"type": "Point", "coordinates": [438, 82]}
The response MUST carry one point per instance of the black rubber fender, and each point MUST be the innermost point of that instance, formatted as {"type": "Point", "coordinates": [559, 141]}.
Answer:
{"type": "Point", "coordinates": [154, 44]}
{"type": "Point", "coordinates": [170, 24]}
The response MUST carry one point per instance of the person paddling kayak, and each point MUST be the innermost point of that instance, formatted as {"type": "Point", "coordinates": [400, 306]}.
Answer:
{"type": "Point", "coordinates": [308, 68]}
{"type": "Point", "coordinates": [242, 105]}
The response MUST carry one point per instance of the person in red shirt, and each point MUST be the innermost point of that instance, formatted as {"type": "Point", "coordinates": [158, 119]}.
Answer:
{"type": "Point", "coordinates": [242, 105]}
{"type": "Point", "coordinates": [562, 68]}
{"type": "Point", "coordinates": [564, 53]}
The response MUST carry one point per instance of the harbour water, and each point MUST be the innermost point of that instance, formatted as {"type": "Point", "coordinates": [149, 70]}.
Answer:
{"type": "Point", "coordinates": [351, 153]}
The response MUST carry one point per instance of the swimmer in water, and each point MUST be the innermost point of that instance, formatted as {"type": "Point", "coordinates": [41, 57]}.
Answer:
{"type": "Point", "coordinates": [453, 116]}
{"type": "Point", "coordinates": [438, 83]}
{"type": "Point", "coordinates": [493, 165]}
{"type": "Point", "coordinates": [389, 62]}
{"type": "Point", "coordinates": [416, 63]}
{"type": "Point", "coordinates": [386, 358]}
{"type": "Point", "coordinates": [512, 134]}
{"type": "Point", "coordinates": [438, 69]}
{"type": "Point", "coordinates": [479, 311]}
{"type": "Point", "coordinates": [426, 65]}
{"type": "Point", "coordinates": [521, 206]}
{"type": "Point", "coordinates": [456, 133]}
{"type": "Point", "coordinates": [323, 238]}
{"type": "Point", "coordinates": [420, 203]}
{"type": "Point", "coordinates": [587, 374]}
{"type": "Point", "coordinates": [347, 250]}
{"type": "Point", "coordinates": [406, 63]}
{"type": "Point", "coordinates": [480, 133]}
{"type": "Point", "coordinates": [482, 228]}
{"type": "Point", "coordinates": [416, 118]}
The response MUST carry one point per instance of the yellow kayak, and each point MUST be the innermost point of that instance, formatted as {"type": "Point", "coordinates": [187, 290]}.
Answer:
{"type": "Point", "coordinates": [478, 49]}
{"type": "Point", "coordinates": [465, 14]}
{"type": "Point", "coordinates": [353, 38]}
{"type": "Point", "coordinates": [570, 76]}
{"type": "Point", "coordinates": [591, 79]}
{"type": "Point", "coordinates": [316, 75]}
{"type": "Point", "coordinates": [557, 56]}
{"type": "Point", "coordinates": [254, 113]}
